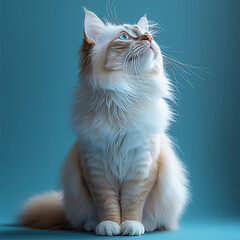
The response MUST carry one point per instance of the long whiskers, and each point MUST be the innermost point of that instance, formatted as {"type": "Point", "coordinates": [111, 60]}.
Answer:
{"type": "Point", "coordinates": [174, 66]}
{"type": "Point", "coordinates": [111, 9]}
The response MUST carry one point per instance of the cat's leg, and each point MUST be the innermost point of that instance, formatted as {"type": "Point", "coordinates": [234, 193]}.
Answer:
{"type": "Point", "coordinates": [167, 199]}
{"type": "Point", "coordinates": [79, 206]}
{"type": "Point", "coordinates": [106, 197]}
{"type": "Point", "coordinates": [133, 195]}
{"type": "Point", "coordinates": [107, 201]}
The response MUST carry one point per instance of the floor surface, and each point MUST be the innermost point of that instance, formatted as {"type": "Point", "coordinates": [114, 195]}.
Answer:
{"type": "Point", "coordinates": [228, 230]}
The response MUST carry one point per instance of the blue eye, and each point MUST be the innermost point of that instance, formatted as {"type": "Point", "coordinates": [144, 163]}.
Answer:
{"type": "Point", "coordinates": [124, 36]}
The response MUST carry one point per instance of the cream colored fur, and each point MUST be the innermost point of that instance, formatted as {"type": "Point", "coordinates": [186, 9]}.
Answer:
{"type": "Point", "coordinates": [122, 175]}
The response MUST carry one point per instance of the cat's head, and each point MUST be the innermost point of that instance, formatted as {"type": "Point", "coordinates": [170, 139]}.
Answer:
{"type": "Point", "coordinates": [113, 54]}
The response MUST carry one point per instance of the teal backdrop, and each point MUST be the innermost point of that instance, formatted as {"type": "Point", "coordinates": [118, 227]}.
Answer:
{"type": "Point", "coordinates": [39, 51]}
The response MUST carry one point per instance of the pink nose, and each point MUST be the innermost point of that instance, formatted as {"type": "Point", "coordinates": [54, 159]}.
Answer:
{"type": "Point", "coordinates": [148, 37]}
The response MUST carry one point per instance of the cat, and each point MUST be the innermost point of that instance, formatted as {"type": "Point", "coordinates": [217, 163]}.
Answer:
{"type": "Point", "coordinates": [122, 176]}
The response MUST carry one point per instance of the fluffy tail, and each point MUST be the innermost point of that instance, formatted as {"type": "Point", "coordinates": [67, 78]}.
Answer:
{"type": "Point", "coordinates": [44, 212]}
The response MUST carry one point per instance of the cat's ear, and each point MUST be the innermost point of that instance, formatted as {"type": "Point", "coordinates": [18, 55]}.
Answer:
{"type": "Point", "coordinates": [143, 23]}
{"type": "Point", "coordinates": [93, 26]}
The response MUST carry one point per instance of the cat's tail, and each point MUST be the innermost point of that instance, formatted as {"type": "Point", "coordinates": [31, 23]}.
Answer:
{"type": "Point", "coordinates": [44, 212]}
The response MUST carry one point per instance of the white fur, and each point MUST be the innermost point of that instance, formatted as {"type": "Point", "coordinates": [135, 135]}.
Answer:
{"type": "Point", "coordinates": [108, 228]}
{"type": "Point", "coordinates": [143, 113]}
{"type": "Point", "coordinates": [93, 26]}
{"type": "Point", "coordinates": [121, 122]}
{"type": "Point", "coordinates": [163, 206]}
{"type": "Point", "coordinates": [132, 228]}
{"type": "Point", "coordinates": [167, 200]}
{"type": "Point", "coordinates": [143, 24]}
{"type": "Point", "coordinates": [79, 206]}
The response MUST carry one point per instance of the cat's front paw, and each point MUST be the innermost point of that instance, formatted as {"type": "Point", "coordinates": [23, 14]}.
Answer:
{"type": "Point", "coordinates": [108, 228]}
{"type": "Point", "coordinates": [132, 228]}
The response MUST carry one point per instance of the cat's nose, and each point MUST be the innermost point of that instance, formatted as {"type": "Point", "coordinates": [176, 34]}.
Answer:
{"type": "Point", "coordinates": [148, 37]}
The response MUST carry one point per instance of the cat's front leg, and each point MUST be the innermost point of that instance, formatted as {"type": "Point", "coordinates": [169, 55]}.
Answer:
{"type": "Point", "coordinates": [107, 201]}
{"type": "Point", "coordinates": [133, 195]}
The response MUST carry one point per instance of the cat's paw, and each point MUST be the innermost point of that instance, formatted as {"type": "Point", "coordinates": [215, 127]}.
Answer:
{"type": "Point", "coordinates": [108, 228]}
{"type": "Point", "coordinates": [132, 228]}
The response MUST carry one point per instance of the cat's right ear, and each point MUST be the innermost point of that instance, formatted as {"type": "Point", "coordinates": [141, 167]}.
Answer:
{"type": "Point", "coordinates": [93, 26]}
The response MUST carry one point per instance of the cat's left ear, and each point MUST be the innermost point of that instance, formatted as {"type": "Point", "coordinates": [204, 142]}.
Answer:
{"type": "Point", "coordinates": [143, 23]}
{"type": "Point", "coordinates": [93, 26]}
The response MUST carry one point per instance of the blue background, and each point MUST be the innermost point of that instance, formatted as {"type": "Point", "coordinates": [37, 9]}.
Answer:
{"type": "Point", "coordinates": [39, 45]}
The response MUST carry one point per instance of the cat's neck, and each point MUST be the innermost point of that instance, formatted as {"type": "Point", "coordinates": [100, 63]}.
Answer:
{"type": "Point", "coordinates": [107, 111]}
{"type": "Point", "coordinates": [147, 86]}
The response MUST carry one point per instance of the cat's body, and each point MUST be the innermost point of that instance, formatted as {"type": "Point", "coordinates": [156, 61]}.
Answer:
{"type": "Point", "coordinates": [121, 175]}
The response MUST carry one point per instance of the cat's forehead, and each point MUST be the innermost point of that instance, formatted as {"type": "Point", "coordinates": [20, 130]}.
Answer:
{"type": "Point", "coordinates": [133, 30]}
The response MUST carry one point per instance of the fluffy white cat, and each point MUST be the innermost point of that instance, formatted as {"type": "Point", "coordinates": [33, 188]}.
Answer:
{"type": "Point", "coordinates": [122, 175]}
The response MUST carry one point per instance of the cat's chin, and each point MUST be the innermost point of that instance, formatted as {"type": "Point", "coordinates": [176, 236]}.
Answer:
{"type": "Point", "coordinates": [146, 60]}
{"type": "Point", "coordinates": [147, 53]}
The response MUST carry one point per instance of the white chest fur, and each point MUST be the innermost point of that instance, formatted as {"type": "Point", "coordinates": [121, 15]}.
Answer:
{"type": "Point", "coordinates": [128, 155]}
{"type": "Point", "coordinates": [118, 131]}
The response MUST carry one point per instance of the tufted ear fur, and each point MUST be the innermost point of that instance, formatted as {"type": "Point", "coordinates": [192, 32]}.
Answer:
{"type": "Point", "coordinates": [143, 23]}
{"type": "Point", "coordinates": [93, 27]}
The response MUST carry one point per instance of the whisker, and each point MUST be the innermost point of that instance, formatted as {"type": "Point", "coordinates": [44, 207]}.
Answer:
{"type": "Point", "coordinates": [109, 11]}
{"type": "Point", "coordinates": [183, 70]}
{"type": "Point", "coordinates": [190, 67]}
{"type": "Point", "coordinates": [135, 49]}
{"type": "Point", "coordinates": [172, 73]}
{"type": "Point", "coordinates": [115, 13]}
